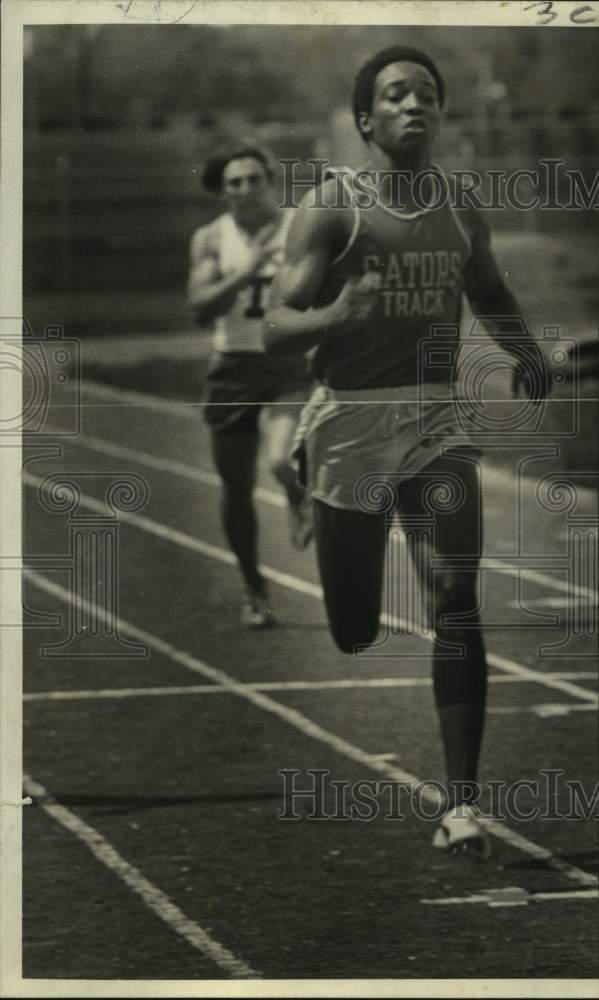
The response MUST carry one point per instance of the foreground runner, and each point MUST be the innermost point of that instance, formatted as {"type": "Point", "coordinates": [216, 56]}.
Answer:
{"type": "Point", "coordinates": [233, 261]}
{"type": "Point", "coordinates": [365, 281]}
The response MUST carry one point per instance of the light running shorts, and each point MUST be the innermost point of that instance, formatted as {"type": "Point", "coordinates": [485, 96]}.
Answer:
{"type": "Point", "coordinates": [351, 442]}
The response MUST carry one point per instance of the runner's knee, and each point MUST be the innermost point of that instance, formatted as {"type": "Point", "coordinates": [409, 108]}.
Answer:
{"type": "Point", "coordinates": [454, 597]}
{"type": "Point", "coordinates": [353, 624]}
{"type": "Point", "coordinates": [350, 548]}
{"type": "Point", "coordinates": [459, 661]}
{"type": "Point", "coordinates": [280, 467]}
{"type": "Point", "coordinates": [236, 488]}
{"type": "Point", "coordinates": [351, 636]}
{"type": "Point", "coordinates": [235, 465]}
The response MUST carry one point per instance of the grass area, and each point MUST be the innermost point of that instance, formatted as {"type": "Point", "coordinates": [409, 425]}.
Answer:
{"type": "Point", "coordinates": [552, 276]}
{"type": "Point", "coordinates": [174, 379]}
{"type": "Point", "coordinates": [181, 379]}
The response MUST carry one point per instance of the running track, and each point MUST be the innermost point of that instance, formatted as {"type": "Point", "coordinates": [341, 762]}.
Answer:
{"type": "Point", "coordinates": [153, 848]}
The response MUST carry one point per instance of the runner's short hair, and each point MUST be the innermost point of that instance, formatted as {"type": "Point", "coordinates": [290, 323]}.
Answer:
{"type": "Point", "coordinates": [364, 82]}
{"type": "Point", "coordinates": [212, 173]}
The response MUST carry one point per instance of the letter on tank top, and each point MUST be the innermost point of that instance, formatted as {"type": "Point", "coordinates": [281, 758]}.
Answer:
{"type": "Point", "coordinates": [240, 329]}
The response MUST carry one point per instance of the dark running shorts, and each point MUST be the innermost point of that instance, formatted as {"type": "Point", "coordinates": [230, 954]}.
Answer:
{"type": "Point", "coordinates": [240, 383]}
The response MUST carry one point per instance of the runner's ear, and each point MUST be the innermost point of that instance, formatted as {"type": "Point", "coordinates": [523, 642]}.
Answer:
{"type": "Point", "coordinates": [364, 125]}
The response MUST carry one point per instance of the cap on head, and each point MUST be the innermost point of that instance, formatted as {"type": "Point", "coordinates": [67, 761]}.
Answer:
{"type": "Point", "coordinates": [212, 173]}
{"type": "Point", "coordinates": [364, 82]}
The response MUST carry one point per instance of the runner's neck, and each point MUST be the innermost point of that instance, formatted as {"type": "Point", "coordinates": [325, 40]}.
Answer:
{"type": "Point", "coordinates": [250, 225]}
{"type": "Point", "coordinates": [394, 183]}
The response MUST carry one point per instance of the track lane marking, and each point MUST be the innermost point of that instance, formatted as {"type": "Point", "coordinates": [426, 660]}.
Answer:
{"type": "Point", "coordinates": [207, 478]}
{"type": "Point", "coordinates": [542, 710]}
{"type": "Point", "coordinates": [309, 589]}
{"type": "Point", "coordinates": [372, 683]}
{"type": "Point", "coordinates": [527, 673]}
{"type": "Point", "coordinates": [153, 897]}
{"type": "Point", "coordinates": [514, 896]}
{"type": "Point", "coordinates": [306, 726]}
{"type": "Point", "coordinates": [175, 408]}
{"type": "Point", "coordinates": [151, 461]}
{"type": "Point", "coordinates": [138, 397]}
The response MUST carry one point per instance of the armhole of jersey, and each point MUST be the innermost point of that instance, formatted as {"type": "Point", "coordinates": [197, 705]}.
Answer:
{"type": "Point", "coordinates": [213, 242]}
{"type": "Point", "coordinates": [461, 229]}
{"type": "Point", "coordinates": [356, 222]}
{"type": "Point", "coordinates": [458, 223]}
{"type": "Point", "coordinates": [216, 239]}
{"type": "Point", "coordinates": [285, 222]}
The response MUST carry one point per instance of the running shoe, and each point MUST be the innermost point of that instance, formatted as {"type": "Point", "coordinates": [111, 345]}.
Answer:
{"type": "Point", "coordinates": [460, 832]}
{"type": "Point", "coordinates": [300, 523]}
{"type": "Point", "coordinates": [256, 611]}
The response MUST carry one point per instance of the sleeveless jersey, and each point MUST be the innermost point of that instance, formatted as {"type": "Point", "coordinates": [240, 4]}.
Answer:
{"type": "Point", "coordinates": [240, 329]}
{"type": "Point", "coordinates": [421, 257]}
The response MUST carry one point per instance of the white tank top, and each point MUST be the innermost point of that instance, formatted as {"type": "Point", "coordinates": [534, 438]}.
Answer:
{"type": "Point", "coordinates": [240, 329]}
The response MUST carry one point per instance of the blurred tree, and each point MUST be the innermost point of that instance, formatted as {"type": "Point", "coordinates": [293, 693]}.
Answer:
{"type": "Point", "coordinates": [297, 73]}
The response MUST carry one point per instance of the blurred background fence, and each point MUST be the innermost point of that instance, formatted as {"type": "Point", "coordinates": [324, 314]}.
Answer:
{"type": "Point", "coordinates": [119, 120]}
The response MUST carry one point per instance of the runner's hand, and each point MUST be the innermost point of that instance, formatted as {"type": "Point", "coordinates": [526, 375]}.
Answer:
{"type": "Point", "coordinates": [355, 303]}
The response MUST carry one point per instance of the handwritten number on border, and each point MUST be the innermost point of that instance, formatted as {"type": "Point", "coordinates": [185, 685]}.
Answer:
{"type": "Point", "coordinates": [576, 15]}
{"type": "Point", "coordinates": [546, 13]}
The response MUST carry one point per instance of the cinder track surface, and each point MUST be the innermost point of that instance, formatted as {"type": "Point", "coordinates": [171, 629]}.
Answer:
{"type": "Point", "coordinates": [153, 847]}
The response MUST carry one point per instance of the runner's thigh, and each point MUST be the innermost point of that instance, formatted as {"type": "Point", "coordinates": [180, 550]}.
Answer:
{"type": "Point", "coordinates": [447, 492]}
{"type": "Point", "coordinates": [350, 547]}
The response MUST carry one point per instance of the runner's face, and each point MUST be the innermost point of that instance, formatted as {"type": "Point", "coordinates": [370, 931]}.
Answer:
{"type": "Point", "coordinates": [405, 114]}
{"type": "Point", "coordinates": [246, 187]}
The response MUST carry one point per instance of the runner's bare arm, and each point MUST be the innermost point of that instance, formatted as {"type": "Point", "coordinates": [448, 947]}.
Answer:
{"type": "Point", "coordinates": [495, 305]}
{"type": "Point", "coordinates": [292, 324]}
{"type": "Point", "coordinates": [209, 293]}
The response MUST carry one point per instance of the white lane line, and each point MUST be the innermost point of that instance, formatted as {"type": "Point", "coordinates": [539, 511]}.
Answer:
{"type": "Point", "coordinates": [309, 589]}
{"type": "Point", "coordinates": [174, 408]}
{"type": "Point", "coordinates": [152, 896]}
{"type": "Point", "coordinates": [542, 579]}
{"type": "Point", "coordinates": [107, 693]}
{"type": "Point", "coordinates": [499, 478]}
{"type": "Point", "coordinates": [502, 480]}
{"type": "Point", "coordinates": [276, 499]}
{"type": "Point", "coordinates": [306, 726]}
{"type": "Point", "coordinates": [151, 461]}
{"type": "Point", "coordinates": [543, 710]}
{"type": "Point", "coordinates": [526, 673]}
{"type": "Point", "coordinates": [515, 896]}
{"type": "Point", "coordinates": [551, 602]}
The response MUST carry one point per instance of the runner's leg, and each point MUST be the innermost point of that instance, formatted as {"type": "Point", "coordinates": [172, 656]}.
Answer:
{"type": "Point", "coordinates": [235, 453]}
{"type": "Point", "coordinates": [450, 586]}
{"type": "Point", "coordinates": [282, 422]}
{"type": "Point", "coordinates": [283, 418]}
{"type": "Point", "coordinates": [350, 547]}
